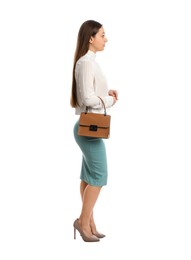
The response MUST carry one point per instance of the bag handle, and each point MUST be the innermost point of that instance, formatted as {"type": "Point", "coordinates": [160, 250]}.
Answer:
{"type": "Point", "coordinates": [103, 106]}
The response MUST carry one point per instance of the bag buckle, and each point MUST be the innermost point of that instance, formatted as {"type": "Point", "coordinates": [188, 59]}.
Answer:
{"type": "Point", "coordinates": [93, 128]}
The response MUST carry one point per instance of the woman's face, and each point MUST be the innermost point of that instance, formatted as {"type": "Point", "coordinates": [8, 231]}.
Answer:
{"type": "Point", "coordinates": [97, 43]}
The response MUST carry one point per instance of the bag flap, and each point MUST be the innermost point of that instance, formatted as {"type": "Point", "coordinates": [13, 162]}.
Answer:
{"type": "Point", "coordinates": [101, 120]}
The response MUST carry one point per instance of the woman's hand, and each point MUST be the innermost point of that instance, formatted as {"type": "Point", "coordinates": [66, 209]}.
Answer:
{"type": "Point", "coordinates": [113, 93]}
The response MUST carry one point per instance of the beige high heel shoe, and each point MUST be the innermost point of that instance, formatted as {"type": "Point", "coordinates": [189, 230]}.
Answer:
{"type": "Point", "coordinates": [93, 238]}
{"type": "Point", "coordinates": [99, 235]}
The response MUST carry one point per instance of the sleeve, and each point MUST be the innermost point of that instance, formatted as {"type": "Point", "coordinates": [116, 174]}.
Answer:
{"type": "Point", "coordinates": [85, 82]}
{"type": "Point", "coordinates": [108, 100]}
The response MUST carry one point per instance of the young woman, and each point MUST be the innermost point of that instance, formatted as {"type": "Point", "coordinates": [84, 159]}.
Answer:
{"type": "Point", "coordinates": [88, 83]}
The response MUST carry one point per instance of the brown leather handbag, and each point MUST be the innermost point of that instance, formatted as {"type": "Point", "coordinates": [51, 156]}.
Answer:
{"type": "Point", "coordinates": [94, 124]}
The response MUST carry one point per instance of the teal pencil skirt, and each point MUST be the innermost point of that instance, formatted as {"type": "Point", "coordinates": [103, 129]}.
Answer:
{"type": "Point", "coordinates": [94, 159]}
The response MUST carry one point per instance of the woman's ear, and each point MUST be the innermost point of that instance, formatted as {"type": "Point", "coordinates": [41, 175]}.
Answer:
{"type": "Point", "coordinates": [91, 39]}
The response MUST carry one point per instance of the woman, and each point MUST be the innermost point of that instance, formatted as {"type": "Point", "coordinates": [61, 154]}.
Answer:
{"type": "Point", "coordinates": [88, 83]}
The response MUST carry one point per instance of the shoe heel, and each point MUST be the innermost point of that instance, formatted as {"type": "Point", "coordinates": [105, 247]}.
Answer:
{"type": "Point", "coordinates": [74, 233]}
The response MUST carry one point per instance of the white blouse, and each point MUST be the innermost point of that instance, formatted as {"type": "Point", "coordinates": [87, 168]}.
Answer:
{"type": "Point", "coordinates": [91, 83]}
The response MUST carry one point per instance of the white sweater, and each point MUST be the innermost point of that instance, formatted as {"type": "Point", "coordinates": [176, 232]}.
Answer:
{"type": "Point", "coordinates": [91, 83]}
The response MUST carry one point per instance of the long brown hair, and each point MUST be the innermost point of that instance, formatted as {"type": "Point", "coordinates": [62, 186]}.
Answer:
{"type": "Point", "coordinates": [87, 30]}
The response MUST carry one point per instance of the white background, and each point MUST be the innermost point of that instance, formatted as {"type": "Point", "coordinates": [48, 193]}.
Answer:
{"type": "Point", "coordinates": [145, 208]}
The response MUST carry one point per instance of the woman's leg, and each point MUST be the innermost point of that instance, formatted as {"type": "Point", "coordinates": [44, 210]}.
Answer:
{"type": "Point", "coordinates": [89, 196]}
{"type": "Point", "coordinates": [83, 185]}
